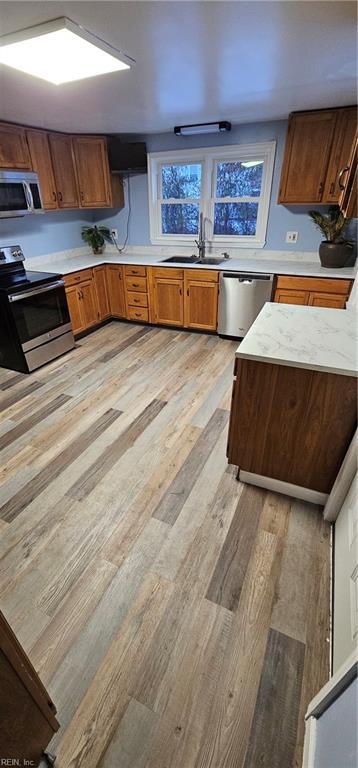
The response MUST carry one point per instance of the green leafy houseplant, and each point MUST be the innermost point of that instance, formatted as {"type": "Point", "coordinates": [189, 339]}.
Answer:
{"type": "Point", "coordinates": [96, 237]}
{"type": "Point", "coordinates": [335, 250]}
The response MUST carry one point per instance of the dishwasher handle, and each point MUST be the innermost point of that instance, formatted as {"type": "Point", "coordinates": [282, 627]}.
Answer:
{"type": "Point", "coordinates": [246, 277]}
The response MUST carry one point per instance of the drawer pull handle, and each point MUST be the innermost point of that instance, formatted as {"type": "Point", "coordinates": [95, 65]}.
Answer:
{"type": "Point", "coordinates": [135, 285]}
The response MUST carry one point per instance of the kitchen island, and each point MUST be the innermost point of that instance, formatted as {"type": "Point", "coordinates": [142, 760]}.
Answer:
{"type": "Point", "coordinates": [293, 411]}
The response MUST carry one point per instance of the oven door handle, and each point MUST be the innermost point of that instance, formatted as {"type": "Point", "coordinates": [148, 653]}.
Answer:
{"type": "Point", "coordinates": [36, 291]}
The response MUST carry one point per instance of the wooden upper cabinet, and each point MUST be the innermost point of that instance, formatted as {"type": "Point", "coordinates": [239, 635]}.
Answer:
{"type": "Point", "coordinates": [348, 184]}
{"type": "Point", "coordinates": [338, 166]}
{"type": "Point", "coordinates": [92, 171]}
{"type": "Point", "coordinates": [42, 163]}
{"type": "Point", "coordinates": [307, 152]}
{"type": "Point", "coordinates": [14, 152]}
{"type": "Point", "coordinates": [64, 170]}
{"type": "Point", "coordinates": [115, 287]}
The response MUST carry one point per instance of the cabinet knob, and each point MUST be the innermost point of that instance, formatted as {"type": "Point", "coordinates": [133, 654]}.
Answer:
{"type": "Point", "coordinates": [331, 189]}
{"type": "Point", "coordinates": [320, 188]}
{"type": "Point", "coordinates": [59, 196]}
{"type": "Point", "coordinates": [135, 285]}
{"type": "Point", "coordinates": [82, 196]}
{"type": "Point", "coordinates": [54, 196]}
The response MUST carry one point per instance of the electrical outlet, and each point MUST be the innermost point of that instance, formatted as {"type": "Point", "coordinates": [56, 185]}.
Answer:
{"type": "Point", "coordinates": [291, 237]}
{"type": "Point", "coordinates": [114, 233]}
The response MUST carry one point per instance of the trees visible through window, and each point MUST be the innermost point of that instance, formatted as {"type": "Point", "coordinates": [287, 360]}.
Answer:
{"type": "Point", "coordinates": [230, 186]}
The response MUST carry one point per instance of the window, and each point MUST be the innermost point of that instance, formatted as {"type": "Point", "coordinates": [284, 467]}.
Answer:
{"type": "Point", "coordinates": [230, 185]}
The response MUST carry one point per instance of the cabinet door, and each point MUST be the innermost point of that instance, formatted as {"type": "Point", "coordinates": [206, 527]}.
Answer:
{"type": "Point", "coordinates": [101, 291]}
{"type": "Point", "coordinates": [41, 163]}
{"type": "Point", "coordinates": [115, 286]}
{"type": "Point", "coordinates": [200, 304]}
{"type": "Point", "coordinates": [283, 296]}
{"type": "Point", "coordinates": [92, 171]}
{"type": "Point", "coordinates": [348, 184]}
{"type": "Point", "coordinates": [27, 714]}
{"type": "Point", "coordinates": [343, 141]}
{"type": "Point", "coordinates": [64, 170]}
{"type": "Point", "coordinates": [74, 308]}
{"type": "Point", "coordinates": [307, 150]}
{"type": "Point", "coordinates": [14, 152]}
{"type": "Point", "coordinates": [88, 303]}
{"type": "Point", "coordinates": [168, 301]}
{"type": "Point", "coordinates": [334, 300]}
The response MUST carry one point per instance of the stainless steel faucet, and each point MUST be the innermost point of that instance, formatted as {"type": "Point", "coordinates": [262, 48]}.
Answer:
{"type": "Point", "coordinates": [201, 241]}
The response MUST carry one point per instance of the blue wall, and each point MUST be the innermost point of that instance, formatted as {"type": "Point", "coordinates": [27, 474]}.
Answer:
{"type": "Point", "coordinates": [281, 219]}
{"type": "Point", "coordinates": [45, 233]}
{"type": "Point", "coordinates": [60, 231]}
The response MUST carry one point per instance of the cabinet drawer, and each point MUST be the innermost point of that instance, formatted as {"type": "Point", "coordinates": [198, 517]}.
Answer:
{"type": "Point", "coordinates": [134, 271]}
{"type": "Point", "coordinates": [138, 313]}
{"type": "Point", "coordinates": [136, 284]}
{"type": "Point", "coordinates": [324, 284]}
{"type": "Point", "coordinates": [77, 277]}
{"type": "Point", "coordinates": [170, 273]}
{"type": "Point", "coordinates": [136, 299]}
{"type": "Point", "coordinates": [206, 275]}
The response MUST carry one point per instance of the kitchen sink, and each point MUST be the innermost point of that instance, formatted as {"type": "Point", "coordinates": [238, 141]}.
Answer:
{"type": "Point", "coordinates": [182, 260]}
{"type": "Point", "coordinates": [194, 260]}
{"type": "Point", "coordinates": [211, 260]}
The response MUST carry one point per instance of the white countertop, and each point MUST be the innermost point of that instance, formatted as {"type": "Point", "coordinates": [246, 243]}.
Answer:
{"type": "Point", "coordinates": [278, 267]}
{"type": "Point", "coordinates": [316, 338]}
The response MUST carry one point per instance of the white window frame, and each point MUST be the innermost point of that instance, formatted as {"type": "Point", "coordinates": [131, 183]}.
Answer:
{"type": "Point", "coordinates": [209, 157]}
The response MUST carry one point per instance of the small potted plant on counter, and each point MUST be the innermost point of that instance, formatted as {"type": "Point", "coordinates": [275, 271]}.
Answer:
{"type": "Point", "coordinates": [96, 238]}
{"type": "Point", "coordinates": [335, 250]}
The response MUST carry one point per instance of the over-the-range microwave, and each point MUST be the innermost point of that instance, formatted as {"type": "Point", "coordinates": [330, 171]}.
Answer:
{"type": "Point", "coordinates": [19, 194]}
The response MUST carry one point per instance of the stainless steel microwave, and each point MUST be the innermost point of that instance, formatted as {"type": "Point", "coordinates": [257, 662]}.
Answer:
{"type": "Point", "coordinates": [20, 194]}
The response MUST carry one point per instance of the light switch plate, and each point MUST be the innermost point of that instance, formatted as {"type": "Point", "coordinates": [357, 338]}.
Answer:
{"type": "Point", "coordinates": [291, 237]}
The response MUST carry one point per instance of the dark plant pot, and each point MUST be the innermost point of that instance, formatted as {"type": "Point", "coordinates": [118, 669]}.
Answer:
{"type": "Point", "coordinates": [98, 251]}
{"type": "Point", "coordinates": [335, 254]}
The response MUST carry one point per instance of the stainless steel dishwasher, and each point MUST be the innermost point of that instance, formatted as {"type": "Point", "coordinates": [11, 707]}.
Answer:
{"type": "Point", "coordinates": [242, 295]}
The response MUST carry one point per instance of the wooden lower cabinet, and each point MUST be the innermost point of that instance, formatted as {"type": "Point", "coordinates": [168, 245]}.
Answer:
{"type": "Point", "coordinates": [74, 308]}
{"type": "Point", "coordinates": [284, 296]}
{"type": "Point", "coordinates": [115, 287]}
{"type": "Point", "coordinates": [333, 300]}
{"type": "Point", "coordinates": [200, 304]}
{"type": "Point", "coordinates": [282, 421]}
{"type": "Point", "coordinates": [313, 291]}
{"type": "Point", "coordinates": [168, 305]}
{"type": "Point", "coordinates": [27, 714]}
{"type": "Point", "coordinates": [100, 279]}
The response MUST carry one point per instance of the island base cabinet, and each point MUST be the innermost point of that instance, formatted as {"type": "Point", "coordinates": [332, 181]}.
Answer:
{"type": "Point", "coordinates": [291, 424]}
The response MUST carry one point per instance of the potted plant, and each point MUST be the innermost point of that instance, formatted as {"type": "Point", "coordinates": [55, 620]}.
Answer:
{"type": "Point", "coordinates": [335, 250]}
{"type": "Point", "coordinates": [96, 237]}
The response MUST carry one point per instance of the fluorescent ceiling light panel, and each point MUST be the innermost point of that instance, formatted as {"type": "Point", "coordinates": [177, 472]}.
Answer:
{"type": "Point", "coordinates": [60, 51]}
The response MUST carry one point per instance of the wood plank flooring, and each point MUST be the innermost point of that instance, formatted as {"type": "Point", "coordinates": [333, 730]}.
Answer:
{"type": "Point", "coordinates": [178, 618]}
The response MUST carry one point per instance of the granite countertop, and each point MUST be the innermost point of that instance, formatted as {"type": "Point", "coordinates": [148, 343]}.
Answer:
{"type": "Point", "coordinates": [315, 338]}
{"type": "Point", "coordinates": [277, 267]}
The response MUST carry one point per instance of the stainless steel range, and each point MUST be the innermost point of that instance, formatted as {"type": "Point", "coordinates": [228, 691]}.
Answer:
{"type": "Point", "coordinates": [34, 318]}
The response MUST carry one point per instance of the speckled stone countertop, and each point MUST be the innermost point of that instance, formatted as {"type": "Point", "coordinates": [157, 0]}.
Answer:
{"type": "Point", "coordinates": [316, 338]}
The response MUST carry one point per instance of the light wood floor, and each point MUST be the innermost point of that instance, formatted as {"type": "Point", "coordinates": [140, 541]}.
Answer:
{"type": "Point", "coordinates": [178, 618]}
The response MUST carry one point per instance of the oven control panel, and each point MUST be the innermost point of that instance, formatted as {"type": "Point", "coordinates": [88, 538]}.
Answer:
{"type": "Point", "coordinates": [10, 254]}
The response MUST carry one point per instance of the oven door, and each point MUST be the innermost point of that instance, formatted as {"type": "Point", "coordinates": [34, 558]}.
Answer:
{"type": "Point", "coordinates": [40, 314]}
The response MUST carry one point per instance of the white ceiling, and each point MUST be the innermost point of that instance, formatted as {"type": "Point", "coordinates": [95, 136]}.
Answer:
{"type": "Point", "coordinates": [196, 62]}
